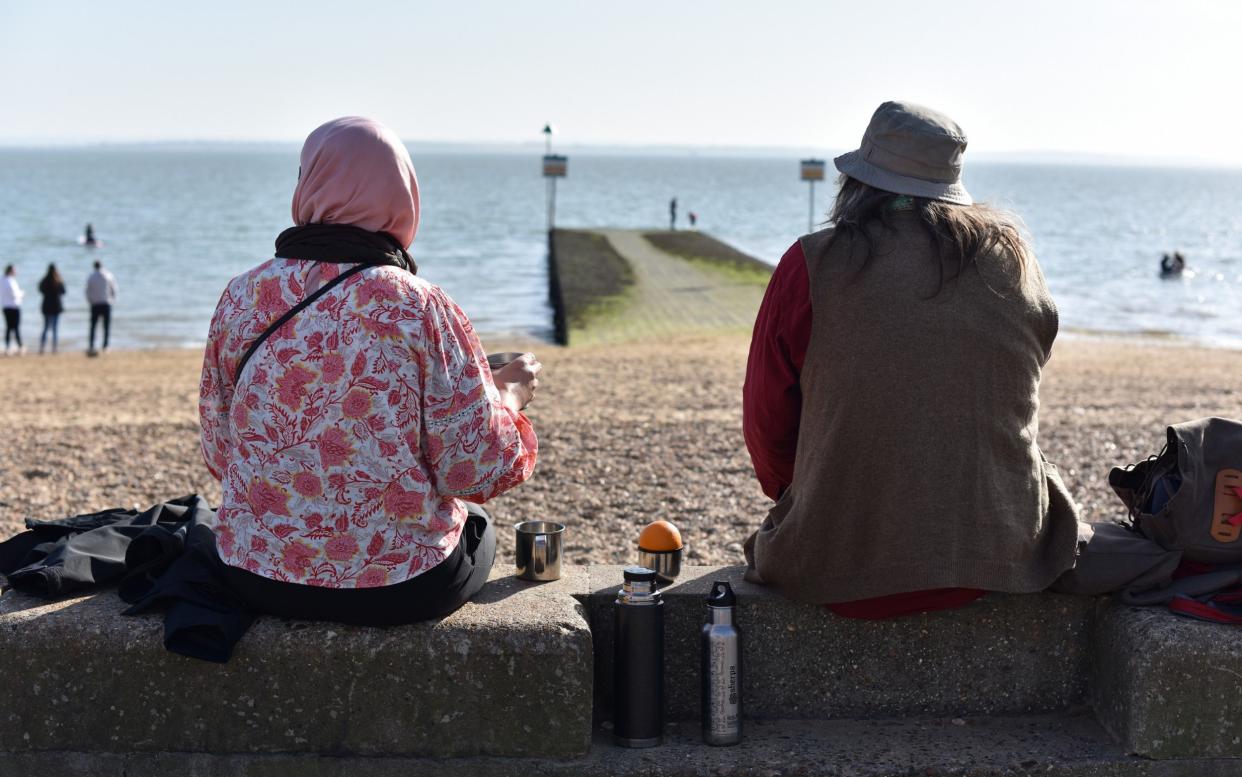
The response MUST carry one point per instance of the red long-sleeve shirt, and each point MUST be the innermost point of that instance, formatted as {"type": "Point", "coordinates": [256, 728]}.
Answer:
{"type": "Point", "coordinates": [772, 410]}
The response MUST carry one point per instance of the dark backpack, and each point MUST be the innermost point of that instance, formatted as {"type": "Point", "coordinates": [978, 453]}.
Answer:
{"type": "Point", "coordinates": [1189, 496]}
{"type": "Point", "coordinates": [1183, 543]}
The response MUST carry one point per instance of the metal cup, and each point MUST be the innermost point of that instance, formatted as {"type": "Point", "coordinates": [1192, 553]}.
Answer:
{"type": "Point", "coordinates": [497, 360]}
{"type": "Point", "coordinates": [539, 550]}
{"type": "Point", "coordinates": [666, 563]}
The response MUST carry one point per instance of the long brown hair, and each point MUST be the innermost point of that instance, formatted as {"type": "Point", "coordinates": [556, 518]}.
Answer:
{"type": "Point", "coordinates": [962, 234]}
{"type": "Point", "coordinates": [53, 275]}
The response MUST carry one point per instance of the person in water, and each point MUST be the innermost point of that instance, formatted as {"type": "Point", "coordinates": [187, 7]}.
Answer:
{"type": "Point", "coordinates": [1172, 265]}
{"type": "Point", "coordinates": [356, 444]}
{"type": "Point", "coordinates": [11, 295]}
{"type": "Point", "coordinates": [52, 287]}
{"type": "Point", "coordinates": [892, 391]}
{"type": "Point", "coordinates": [89, 238]}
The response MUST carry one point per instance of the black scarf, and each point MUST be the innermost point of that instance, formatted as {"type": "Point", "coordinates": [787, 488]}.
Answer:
{"type": "Point", "coordinates": [342, 244]}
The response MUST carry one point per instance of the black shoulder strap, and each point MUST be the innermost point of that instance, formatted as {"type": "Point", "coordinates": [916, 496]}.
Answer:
{"type": "Point", "coordinates": [293, 311]}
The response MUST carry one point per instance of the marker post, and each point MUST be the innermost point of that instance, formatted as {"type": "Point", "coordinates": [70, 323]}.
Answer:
{"type": "Point", "coordinates": [812, 171]}
{"type": "Point", "coordinates": [554, 166]}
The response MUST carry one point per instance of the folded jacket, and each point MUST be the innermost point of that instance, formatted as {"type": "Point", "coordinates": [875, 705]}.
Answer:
{"type": "Point", "coordinates": [53, 559]}
{"type": "Point", "coordinates": [164, 556]}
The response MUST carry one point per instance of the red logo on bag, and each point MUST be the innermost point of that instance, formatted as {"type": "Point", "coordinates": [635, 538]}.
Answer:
{"type": "Point", "coordinates": [1227, 510]}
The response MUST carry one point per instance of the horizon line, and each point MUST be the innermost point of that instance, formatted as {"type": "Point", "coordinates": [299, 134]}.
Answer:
{"type": "Point", "coordinates": [662, 148]}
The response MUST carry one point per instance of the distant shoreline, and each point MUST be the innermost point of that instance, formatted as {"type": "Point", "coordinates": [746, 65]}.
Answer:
{"type": "Point", "coordinates": [534, 149]}
{"type": "Point", "coordinates": [493, 340]}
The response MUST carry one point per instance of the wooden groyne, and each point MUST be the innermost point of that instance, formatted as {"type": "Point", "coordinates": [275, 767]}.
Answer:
{"type": "Point", "coordinates": [617, 285]}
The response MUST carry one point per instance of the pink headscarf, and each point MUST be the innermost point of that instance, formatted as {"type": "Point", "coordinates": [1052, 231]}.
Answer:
{"type": "Point", "coordinates": [356, 171]}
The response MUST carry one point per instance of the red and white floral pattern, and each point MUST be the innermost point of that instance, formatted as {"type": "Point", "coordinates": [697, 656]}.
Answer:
{"type": "Point", "coordinates": [354, 431]}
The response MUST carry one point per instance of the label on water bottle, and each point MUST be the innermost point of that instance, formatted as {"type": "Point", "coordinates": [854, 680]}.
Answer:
{"type": "Point", "coordinates": [723, 694]}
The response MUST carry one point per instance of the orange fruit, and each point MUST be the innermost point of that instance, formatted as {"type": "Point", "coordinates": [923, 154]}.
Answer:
{"type": "Point", "coordinates": [659, 535]}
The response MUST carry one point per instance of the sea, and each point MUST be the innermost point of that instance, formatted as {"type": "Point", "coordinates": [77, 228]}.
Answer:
{"type": "Point", "coordinates": [177, 223]}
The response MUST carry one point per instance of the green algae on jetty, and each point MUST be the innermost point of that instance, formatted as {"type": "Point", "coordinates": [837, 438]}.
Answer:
{"type": "Point", "coordinates": [614, 285]}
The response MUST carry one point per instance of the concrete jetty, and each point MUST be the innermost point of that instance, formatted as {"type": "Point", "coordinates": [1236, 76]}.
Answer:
{"type": "Point", "coordinates": [617, 285]}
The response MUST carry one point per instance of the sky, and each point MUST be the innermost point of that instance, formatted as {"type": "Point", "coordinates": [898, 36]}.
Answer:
{"type": "Point", "coordinates": [1135, 79]}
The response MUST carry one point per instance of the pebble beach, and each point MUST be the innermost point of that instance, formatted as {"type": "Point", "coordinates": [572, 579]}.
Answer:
{"type": "Point", "coordinates": [628, 434]}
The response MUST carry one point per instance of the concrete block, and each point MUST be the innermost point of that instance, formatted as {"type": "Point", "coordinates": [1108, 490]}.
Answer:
{"type": "Point", "coordinates": [509, 674]}
{"type": "Point", "coordinates": [1041, 746]}
{"type": "Point", "coordinates": [1001, 655]}
{"type": "Point", "coordinates": [1168, 687]}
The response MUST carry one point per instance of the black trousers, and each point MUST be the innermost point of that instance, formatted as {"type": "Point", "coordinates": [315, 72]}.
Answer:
{"type": "Point", "coordinates": [433, 594]}
{"type": "Point", "coordinates": [103, 311]}
{"type": "Point", "coordinates": [12, 325]}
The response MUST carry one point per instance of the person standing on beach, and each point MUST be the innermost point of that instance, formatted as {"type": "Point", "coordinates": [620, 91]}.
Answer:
{"type": "Point", "coordinates": [892, 392]}
{"type": "Point", "coordinates": [52, 287]}
{"type": "Point", "coordinates": [354, 448]}
{"type": "Point", "coordinates": [100, 294]}
{"type": "Point", "coordinates": [672, 214]}
{"type": "Point", "coordinates": [11, 295]}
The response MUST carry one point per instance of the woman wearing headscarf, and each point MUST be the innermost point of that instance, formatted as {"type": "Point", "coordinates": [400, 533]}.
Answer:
{"type": "Point", "coordinates": [355, 437]}
{"type": "Point", "coordinates": [892, 392]}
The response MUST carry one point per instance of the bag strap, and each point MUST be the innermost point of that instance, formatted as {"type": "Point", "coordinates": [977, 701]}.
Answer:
{"type": "Point", "coordinates": [1195, 586]}
{"type": "Point", "coordinates": [1217, 609]}
{"type": "Point", "coordinates": [293, 311]}
{"type": "Point", "coordinates": [1223, 604]}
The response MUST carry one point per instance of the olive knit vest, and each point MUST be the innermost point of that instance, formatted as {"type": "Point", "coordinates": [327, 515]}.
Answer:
{"type": "Point", "coordinates": [917, 462]}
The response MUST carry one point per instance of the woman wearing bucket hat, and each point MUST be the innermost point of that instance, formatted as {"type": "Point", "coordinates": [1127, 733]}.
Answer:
{"type": "Point", "coordinates": [891, 395]}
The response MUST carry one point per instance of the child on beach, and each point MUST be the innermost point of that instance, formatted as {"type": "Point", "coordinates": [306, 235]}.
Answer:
{"type": "Point", "coordinates": [356, 442]}
{"type": "Point", "coordinates": [892, 390]}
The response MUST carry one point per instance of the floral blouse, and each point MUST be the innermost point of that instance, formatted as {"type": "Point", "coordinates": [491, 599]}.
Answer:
{"type": "Point", "coordinates": [354, 430]}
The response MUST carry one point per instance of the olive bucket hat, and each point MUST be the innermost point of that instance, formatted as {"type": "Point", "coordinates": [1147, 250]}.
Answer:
{"type": "Point", "coordinates": [909, 149]}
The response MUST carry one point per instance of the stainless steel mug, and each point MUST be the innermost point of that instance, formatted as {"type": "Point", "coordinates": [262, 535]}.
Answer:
{"type": "Point", "coordinates": [539, 550]}
{"type": "Point", "coordinates": [666, 563]}
{"type": "Point", "coordinates": [497, 360]}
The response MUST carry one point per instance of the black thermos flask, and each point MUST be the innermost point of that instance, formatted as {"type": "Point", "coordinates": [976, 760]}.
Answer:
{"type": "Point", "coordinates": [638, 661]}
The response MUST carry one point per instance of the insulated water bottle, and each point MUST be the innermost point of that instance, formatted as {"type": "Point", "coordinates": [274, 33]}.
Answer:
{"type": "Point", "coordinates": [722, 669]}
{"type": "Point", "coordinates": [638, 661]}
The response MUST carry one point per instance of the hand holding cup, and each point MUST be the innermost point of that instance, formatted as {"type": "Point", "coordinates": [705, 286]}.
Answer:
{"type": "Point", "coordinates": [517, 379]}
